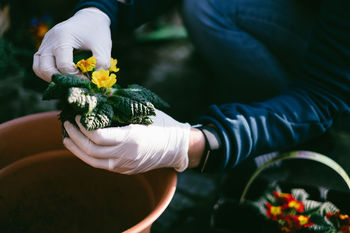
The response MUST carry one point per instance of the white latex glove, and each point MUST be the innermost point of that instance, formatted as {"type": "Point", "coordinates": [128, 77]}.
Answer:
{"type": "Point", "coordinates": [134, 148]}
{"type": "Point", "coordinates": [88, 29]}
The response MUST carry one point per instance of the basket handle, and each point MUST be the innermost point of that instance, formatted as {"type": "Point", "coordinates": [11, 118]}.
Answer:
{"type": "Point", "coordinates": [298, 155]}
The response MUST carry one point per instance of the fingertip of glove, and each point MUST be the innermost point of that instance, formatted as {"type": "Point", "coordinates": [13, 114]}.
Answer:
{"type": "Point", "coordinates": [80, 126]}
{"type": "Point", "coordinates": [67, 125]}
{"type": "Point", "coordinates": [66, 142]}
{"type": "Point", "coordinates": [77, 118]}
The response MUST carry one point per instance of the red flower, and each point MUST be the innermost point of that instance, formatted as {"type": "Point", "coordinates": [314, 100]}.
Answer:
{"type": "Point", "coordinates": [303, 220]}
{"type": "Point", "coordinates": [285, 229]}
{"type": "Point", "coordinates": [329, 215]}
{"type": "Point", "coordinates": [274, 212]}
{"type": "Point", "coordinates": [343, 219]}
{"type": "Point", "coordinates": [283, 198]}
{"type": "Point", "coordinates": [296, 222]}
{"type": "Point", "coordinates": [344, 229]}
{"type": "Point", "coordinates": [340, 220]}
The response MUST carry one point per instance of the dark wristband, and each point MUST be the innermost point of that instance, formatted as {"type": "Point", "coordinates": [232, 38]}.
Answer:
{"type": "Point", "coordinates": [212, 147]}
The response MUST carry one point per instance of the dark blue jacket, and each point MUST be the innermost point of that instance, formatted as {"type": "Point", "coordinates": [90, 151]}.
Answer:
{"type": "Point", "coordinates": [285, 120]}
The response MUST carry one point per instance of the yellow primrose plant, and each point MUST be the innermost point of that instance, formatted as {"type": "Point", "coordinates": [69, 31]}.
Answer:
{"type": "Point", "coordinates": [98, 98]}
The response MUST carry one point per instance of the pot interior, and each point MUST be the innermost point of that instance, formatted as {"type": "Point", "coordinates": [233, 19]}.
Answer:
{"type": "Point", "coordinates": [56, 192]}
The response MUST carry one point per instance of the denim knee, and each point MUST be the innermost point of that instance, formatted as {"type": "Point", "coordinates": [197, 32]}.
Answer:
{"type": "Point", "coordinates": [204, 15]}
{"type": "Point", "coordinates": [238, 60]}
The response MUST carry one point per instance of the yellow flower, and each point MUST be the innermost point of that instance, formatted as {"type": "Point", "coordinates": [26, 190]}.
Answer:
{"type": "Point", "coordinates": [303, 220]}
{"type": "Point", "coordinates": [113, 67]}
{"type": "Point", "coordinates": [276, 210]}
{"type": "Point", "coordinates": [86, 65]}
{"type": "Point", "coordinates": [102, 78]}
{"type": "Point", "coordinates": [298, 205]}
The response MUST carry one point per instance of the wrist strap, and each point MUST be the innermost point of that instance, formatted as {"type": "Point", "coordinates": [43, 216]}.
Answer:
{"type": "Point", "coordinates": [212, 143]}
{"type": "Point", "coordinates": [205, 156]}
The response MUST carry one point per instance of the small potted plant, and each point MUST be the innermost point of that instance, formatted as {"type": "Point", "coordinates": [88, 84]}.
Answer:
{"type": "Point", "coordinates": [99, 100]}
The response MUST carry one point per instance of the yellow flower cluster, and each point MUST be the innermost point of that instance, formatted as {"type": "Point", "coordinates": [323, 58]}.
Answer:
{"type": "Point", "coordinates": [102, 78]}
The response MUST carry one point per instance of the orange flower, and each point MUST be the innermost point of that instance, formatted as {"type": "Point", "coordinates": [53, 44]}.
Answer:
{"type": "Point", "coordinates": [285, 229]}
{"type": "Point", "coordinates": [344, 217]}
{"type": "Point", "coordinates": [42, 29]}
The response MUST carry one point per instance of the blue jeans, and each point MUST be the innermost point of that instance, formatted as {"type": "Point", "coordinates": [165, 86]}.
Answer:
{"type": "Point", "coordinates": [254, 47]}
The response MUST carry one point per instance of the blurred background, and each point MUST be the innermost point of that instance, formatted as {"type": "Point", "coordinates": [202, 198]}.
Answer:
{"type": "Point", "coordinates": [159, 56]}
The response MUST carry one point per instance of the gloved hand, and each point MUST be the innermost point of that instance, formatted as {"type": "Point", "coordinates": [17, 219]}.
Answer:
{"type": "Point", "coordinates": [88, 29]}
{"type": "Point", "coordinates": [134, 148]}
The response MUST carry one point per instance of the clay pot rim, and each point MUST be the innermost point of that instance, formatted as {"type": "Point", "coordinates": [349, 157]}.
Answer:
{"type": "Point", "coordinates": [27, 118]}
{"type": "Point", "coordinates": [156, 211]}
{"type": "Point", "coordinates": [160, 207]}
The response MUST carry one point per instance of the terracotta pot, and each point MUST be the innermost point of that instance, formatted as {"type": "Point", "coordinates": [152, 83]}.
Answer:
{"type": "Point", "coordinates": [44, 188]}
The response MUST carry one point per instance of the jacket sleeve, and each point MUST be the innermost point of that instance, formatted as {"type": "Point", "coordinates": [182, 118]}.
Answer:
{"type": "Point", "coordinates": [129, 14]}
{"type": "Point", "coordinates": [300, 114]}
